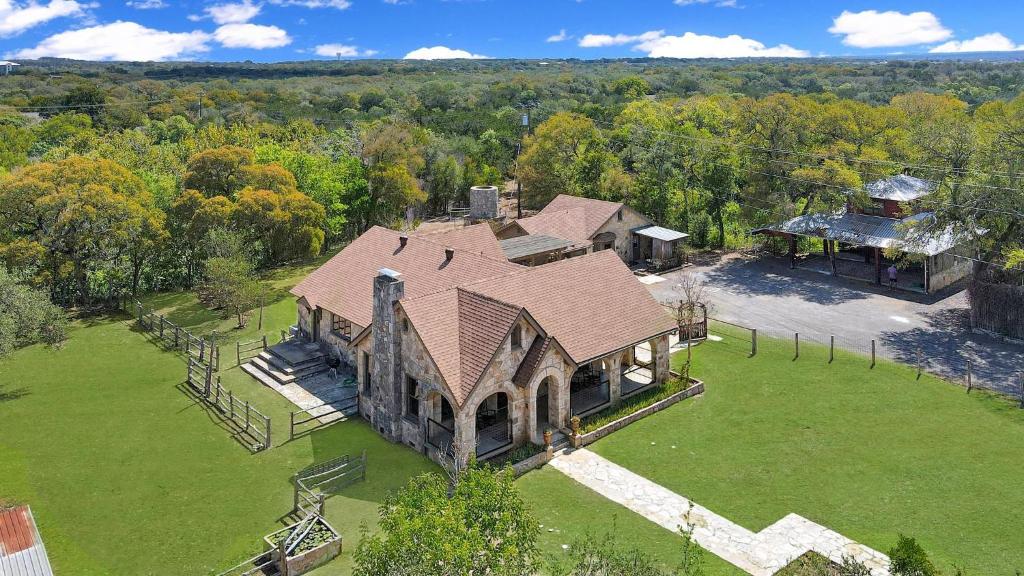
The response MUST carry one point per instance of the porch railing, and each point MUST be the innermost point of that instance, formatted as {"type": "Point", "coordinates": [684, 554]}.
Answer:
{"type": "Point", "coordinates": [438, 435]}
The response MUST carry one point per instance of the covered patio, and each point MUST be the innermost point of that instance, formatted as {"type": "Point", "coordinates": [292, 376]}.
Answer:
{"type": "Point", "coordinates": [656, 248]}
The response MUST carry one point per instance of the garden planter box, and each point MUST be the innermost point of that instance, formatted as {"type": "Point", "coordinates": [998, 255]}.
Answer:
{"type": "Point", "coordinates": [305, 560]}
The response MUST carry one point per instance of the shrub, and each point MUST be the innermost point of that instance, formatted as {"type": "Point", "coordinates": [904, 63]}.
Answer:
{"type": "Point", "coordinates": [908, 558]}
{"type": "Point", "coordinates": [700, 230]}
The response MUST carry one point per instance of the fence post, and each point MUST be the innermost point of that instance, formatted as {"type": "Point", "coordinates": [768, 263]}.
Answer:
{"type": "Point", "coordinates": [831, 348]}
{"type": "Point", "coordinates": [796, 342]}
{"type": "Point", "coordinates": [970, 378]}
{"type": "Point", "coordinates": [753, 341]}
{"type": "Point", "coordinates": [872, 353]}
{"type": "Point", "coordinates": [266, 421]}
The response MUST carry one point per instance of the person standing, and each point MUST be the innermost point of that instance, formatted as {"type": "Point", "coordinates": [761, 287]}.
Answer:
{"type": "Point", "coordinates": [892, 276]}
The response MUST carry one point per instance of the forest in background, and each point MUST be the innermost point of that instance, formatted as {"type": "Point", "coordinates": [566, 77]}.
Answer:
{"type": "Point", "coordinates": [116, 178]}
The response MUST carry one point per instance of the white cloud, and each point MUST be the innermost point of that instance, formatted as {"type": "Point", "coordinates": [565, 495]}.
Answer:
{"type": "Point", "coordinates": [146, 4]}
{"type": "Point", "coordinates": [560, 37]}
{"type": "Point", "coordinates": [603, 40]}
{"type": "Point", "coordinates": [16, 18]}
{"type": "Point", "coordinates": [233, 13]}
{"type": "Point", "coordinates": [254, 36]}
{"type": "Point", "coordinates": [119, 41]}
{"type": "Point", "coordinates": [994, 42]}
{"type": "Point", "coordinates": [690, 45]}
{"type": "Point", "coordinates": [344, 50]}
{"type": "Point", "coordinates": [441, 53]}
{"type": "Point", "coordinates": [874, 29]}
{"type": "Point", "coordinates": [336, 4]}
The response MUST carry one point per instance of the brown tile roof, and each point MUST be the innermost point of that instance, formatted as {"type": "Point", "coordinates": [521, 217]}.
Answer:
{"type": "Point", "coordinates": [590, 306]}
{"type": "Point", "coordinates": [571, 217]}
{"type": "Point", "coordinates": [478, 238]}
{"type": "Point", "coordinates": [344, 284]}
{"type": "Point", "coordinates": [461, 331]}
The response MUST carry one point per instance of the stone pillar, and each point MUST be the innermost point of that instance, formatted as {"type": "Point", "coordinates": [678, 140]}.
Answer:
{"type": "Point", "coordinates": [613, 366]}
{"type": "Point", "coordinates": [660, 358]}
{"type": "Point", "coordinates": [386, 375]}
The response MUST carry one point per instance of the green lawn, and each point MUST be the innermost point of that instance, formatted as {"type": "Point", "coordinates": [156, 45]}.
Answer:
{"type": "Point", "coordinates": [127, 474]}
{"type": "Point", "coordinates": [867, 452]}
{"type": "Point", "coordinates": [569, 511]}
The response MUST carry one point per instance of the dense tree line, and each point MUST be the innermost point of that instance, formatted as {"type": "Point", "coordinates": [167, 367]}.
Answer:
{"type": "Point", "coordinates": [114, 181]}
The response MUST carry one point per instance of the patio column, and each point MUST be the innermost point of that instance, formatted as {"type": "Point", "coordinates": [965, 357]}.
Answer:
{"type": "Point", "coordinates": [613, 367]}
{"type": "Point", "coordinates": [660, 358]}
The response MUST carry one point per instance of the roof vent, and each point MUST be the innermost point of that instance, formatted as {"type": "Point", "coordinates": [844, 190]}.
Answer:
{"type": "Point", "coordinates": [449, 253]}
{"type": "Point", "coordinates": [403, 240]}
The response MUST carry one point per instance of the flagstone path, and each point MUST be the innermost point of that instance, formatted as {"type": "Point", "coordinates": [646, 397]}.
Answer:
{"type": "Point", "coordinates": [760, 554]}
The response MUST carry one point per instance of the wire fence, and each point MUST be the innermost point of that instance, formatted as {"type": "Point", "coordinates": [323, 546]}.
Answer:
{"type": "Point", "coordinates": [956, 366]}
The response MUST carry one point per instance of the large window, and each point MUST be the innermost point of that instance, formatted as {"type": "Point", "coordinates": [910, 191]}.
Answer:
{"type": "Point", "coordinates": [412, 402]}
{"type": "Point", "coordinates": [341, 326]}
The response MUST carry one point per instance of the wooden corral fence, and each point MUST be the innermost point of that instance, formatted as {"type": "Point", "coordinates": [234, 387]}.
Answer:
{"type": "Point", "coordinates": [247, 348]}
{"type": "Point", "coordinates": [313, 483]}
{"type": "Point", "coordinates": [175, 337]}
{"type": "Point", "coordinates": [249, 421]}
{"type": "Point", "coordinates": [300, 418]}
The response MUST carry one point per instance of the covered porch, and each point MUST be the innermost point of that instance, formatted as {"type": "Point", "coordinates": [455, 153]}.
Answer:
{"type": "Point", "coordinates": [604, 382]}
{"type": "Point", "coordinates": [656, 248]}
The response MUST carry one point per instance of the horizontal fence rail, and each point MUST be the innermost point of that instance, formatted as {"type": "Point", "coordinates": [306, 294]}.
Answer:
{"type": "Point", "coordinates": [243, 415]}
{"type": "Point", "coordinates": [174, 337]}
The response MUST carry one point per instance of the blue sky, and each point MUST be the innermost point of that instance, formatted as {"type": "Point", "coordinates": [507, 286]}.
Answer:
{"type": "Point", "coordinates": [279, 30]}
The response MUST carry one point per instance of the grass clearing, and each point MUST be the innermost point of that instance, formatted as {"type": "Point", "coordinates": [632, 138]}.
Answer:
{"type": "Point", "coordinates": [867, 452]}
{"type": "Point", "coordinates": [128, 474]}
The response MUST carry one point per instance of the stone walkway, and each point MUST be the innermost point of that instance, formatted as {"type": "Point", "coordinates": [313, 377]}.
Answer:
{"type": "Point", "coordinates": [760, 554]}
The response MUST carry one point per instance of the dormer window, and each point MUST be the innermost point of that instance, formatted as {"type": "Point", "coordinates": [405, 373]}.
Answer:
{"type": "Point", "coordinates": [517, 337]}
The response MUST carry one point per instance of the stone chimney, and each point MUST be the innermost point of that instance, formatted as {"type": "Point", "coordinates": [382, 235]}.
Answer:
{"type": "Point", "coordinates": [386, 379]}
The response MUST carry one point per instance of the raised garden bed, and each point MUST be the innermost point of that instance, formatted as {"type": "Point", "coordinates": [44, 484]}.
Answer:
{"type": "Point", "coordinates": [320, 545]}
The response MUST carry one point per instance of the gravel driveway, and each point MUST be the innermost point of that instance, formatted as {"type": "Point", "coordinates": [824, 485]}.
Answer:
{"type": "Point", "coordinates": [764, 293]}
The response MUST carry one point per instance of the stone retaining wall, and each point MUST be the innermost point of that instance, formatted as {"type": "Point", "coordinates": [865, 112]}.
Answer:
{"type": "Point", "coordinates": [591, 437]}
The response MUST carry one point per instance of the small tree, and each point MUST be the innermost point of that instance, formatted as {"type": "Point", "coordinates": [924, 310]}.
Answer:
{"type": "Point", "coordinates": [231, 283]}
{"type": "Point", "coordinates": [693, 301]}
{"type": "Point", "coordinates": [908, 558]}
{"type": "Point", "coordinates": [480, 527]}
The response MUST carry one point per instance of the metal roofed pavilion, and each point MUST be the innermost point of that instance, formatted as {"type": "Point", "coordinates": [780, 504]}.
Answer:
{"type": "Point", "coordinates": [659, 233]}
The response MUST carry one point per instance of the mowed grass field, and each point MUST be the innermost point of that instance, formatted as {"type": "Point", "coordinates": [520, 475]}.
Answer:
{"type": "Point", "coordinates": [127, 473]}
{"type": "Point", "coordinates": [869, 452]}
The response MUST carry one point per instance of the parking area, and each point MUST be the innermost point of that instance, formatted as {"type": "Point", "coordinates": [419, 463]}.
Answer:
{"type": "Point", "coordinates": [764, 293]}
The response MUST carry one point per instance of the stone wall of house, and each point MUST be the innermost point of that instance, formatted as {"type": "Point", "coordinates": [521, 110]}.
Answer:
{"type": "Point", "coordinates": [335, 345]}
{"type": "Point", "coordinates": [621, 228]}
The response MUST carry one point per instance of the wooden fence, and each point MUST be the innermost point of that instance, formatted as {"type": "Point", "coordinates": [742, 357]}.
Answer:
{"type": "Point", "coordinates": [300, 418]}
{"type": "Point", "coordinates": [175, 337]}
{"type": "Point", "coordinates": [249, 421]}
{"type": "Point", "coordinates": [247, 348]}
{"type": "Point", "coordinates": [334, 474]}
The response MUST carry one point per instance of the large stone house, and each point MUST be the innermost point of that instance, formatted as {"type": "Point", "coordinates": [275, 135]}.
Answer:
{"type": "Point", "coordinates": [570, 225]}
{"type": "Point", "coordinates": [455, 346]}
